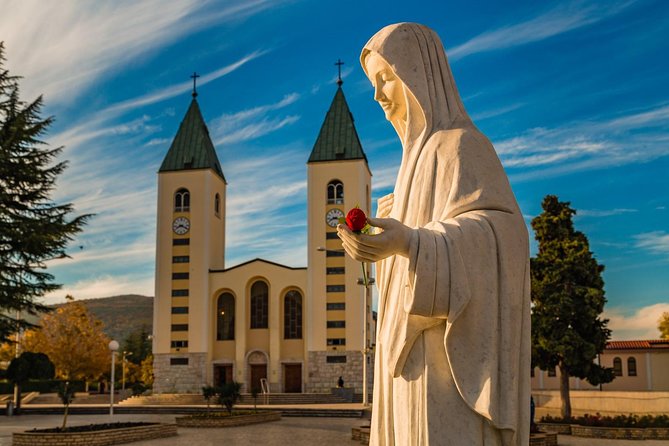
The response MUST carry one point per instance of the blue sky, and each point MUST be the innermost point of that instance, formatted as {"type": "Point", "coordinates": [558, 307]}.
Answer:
{"type": "Point", "coordinates": [573, 95]}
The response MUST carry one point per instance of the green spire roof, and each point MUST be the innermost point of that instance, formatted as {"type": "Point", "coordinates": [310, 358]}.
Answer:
{"type": "Point", "coordinates": [338, 139]}
{"type": "Point", "coordinates": [192, 147]}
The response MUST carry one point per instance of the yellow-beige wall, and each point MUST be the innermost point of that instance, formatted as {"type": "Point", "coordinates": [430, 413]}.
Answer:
{"type": "Point", "coordinates": [651, 373]}
{"type": "Point", "coordinates": [269, 341]}
{"type": "Point", "coordinates": [206, 251]}
{"type": "Point", "coordinates": [356, 178]}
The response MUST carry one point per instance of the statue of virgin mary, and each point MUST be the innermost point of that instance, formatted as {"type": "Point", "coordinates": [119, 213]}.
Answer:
{"type": "Point", "coordinates": [452, 360]}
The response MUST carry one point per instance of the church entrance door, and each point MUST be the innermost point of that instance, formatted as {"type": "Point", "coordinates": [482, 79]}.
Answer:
{"type": "Point", "coordinates": [292, 376]}
{"type": "Point", "coordinates": [222, 374]}
{"type": "Point", "coordinates": [258, 372]}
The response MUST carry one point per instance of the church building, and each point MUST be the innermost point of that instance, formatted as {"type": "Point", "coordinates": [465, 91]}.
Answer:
{"type": "Point", "coordinates": [259, 323]}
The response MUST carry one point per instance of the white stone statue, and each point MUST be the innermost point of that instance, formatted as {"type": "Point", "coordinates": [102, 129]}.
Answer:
{"type": "Point", "coordinates": [452, 261]}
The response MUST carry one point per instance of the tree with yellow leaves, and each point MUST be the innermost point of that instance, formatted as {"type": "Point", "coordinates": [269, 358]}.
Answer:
{"type": "Point", "coordinates": [663, 325]}
{"type": "Point", "coordinates": [73, 339]}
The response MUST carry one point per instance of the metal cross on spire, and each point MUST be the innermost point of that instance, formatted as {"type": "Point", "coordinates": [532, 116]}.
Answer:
{"type": "Point", "coordinates": [339, 63]}
{"type": "Point", "coordinates": [194, 76]}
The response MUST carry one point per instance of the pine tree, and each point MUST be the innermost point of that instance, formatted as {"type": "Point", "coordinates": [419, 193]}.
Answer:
{"type": "Point", "coordinates": [33, 229]}
{"type": "Point", "coordinates": [568, 299]}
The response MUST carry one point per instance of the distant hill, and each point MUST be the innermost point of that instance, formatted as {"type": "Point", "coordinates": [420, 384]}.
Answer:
{"type": "Point", "coordinates": [121, 314]}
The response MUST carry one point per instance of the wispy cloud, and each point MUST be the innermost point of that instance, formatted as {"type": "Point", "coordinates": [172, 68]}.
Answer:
{"type": "Point", "coordinates": [252, 123]}
{"type": "Point", "coordinates": [656, 242]}
{"type": "Point", "coordinates": [641, 324]}
{"type": "Point", "coordinates": [603, 212]}
{"type": "Point", "coordinates": [86, 42]}
{"type": "Point", "coordinates": [637, 137]}
{"type": "Point", "coordinates": [266, 216]}
{"type": "Point", "coordinates": [560, 20]}
{"type": "Point", "coordinates": [496, 112]}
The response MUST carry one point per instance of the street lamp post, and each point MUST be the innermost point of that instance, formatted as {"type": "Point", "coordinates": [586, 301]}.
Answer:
{"type": "Point", "coordinates": [124, 360]}
{"type": "Point", "coordinates": [365, 349]}
{"type": "Point", "coordinates": [113, 346]}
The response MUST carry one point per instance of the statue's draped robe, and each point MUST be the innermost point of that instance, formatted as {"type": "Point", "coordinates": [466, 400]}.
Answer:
{"type": "Point", "coordinates": [453, 344]}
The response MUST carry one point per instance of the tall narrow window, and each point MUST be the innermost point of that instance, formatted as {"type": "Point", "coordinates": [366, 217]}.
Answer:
{"type": "Point", "coordinates": [217, 205]}
{"type": "Point", "coordinates": [335, 192]}
{"type": "Point", "coordinates": [292, 315]}
{"type": "Point", "coordinates": [631, 366]}
{"type": "Point", "coordinates": [225, 317]}
{"type": "Point", "coordinates": [259, 304]}
{"type": "Point", "coordinates": [617, 367]}
{"type": "Point", "coordinates": [182, 200]}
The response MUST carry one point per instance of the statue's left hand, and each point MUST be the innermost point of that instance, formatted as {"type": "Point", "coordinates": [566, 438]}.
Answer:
{"type": "Point", "coordinates": [394, 239]}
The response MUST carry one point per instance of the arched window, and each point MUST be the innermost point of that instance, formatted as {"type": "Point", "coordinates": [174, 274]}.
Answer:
{"type": "Point", "coordinates": [335, 192]}
{"type": "Point", "coordinates": [617, 367]}
{"type": "Point", "coordinates": [631, 366]}
{"type": "Point", "coordinates": [292, 315]}
{"type": "Point", "coordinates": [259, 304]}
{"type": "Point", "coordinates": [217, 205]}
{"type": "Point", "coordinates": [182, 200]}
{"type": "Point", "coordinates": [225, 317]}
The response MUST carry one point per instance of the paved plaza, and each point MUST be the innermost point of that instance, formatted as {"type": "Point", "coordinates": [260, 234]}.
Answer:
{"type": "Point", "coordinates": [289, 431]}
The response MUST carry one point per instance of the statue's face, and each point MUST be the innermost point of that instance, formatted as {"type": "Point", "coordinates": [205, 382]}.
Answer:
{"type": "Point", "coordinates": [388, 88]}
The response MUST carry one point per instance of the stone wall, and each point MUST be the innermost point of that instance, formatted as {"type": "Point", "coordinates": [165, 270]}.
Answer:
{"type": "Point", "coordinates": [170, 378]}
{"type": "Point", "coordinates": [322, 376]}
{"type": "Point", "coordinates": [605, 402]}
{"type": "Point", "coordinates": [97, 438]}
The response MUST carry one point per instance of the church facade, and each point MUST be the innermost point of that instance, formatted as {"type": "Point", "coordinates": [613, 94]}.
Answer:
{"type": "Point", "coordinates": [259, 323]}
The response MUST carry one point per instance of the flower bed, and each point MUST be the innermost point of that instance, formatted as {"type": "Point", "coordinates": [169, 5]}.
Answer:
{"type": "Point", "coordinates": [621, 433]}
{"type": "Point", "coordinates": [221, 419]}
{"type": "Point", "coordinates": [95, 435]}
{"type": "Point", "coordinates": [555, 428]}
{"type": "Point", "coordinates": [632, 427]}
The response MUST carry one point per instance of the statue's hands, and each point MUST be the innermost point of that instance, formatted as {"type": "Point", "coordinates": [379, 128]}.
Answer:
{"type": "Point", "coordinates": [394, 239]}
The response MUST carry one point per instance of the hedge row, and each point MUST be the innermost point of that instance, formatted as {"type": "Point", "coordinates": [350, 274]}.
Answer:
{"type": "Point", "coordinates": [597, 420]}
{"type": "Point", "coordinates": [46, 386]}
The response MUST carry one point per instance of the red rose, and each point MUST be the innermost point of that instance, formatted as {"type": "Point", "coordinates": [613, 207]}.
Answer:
{"type": "Point", "coordinates": [356, 219]}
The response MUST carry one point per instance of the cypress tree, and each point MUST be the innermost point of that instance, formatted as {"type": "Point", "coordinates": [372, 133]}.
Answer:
{"type": "Point", "coordinates": [33, 229]}
{"type": "Point", "coordinates": [568, 299]}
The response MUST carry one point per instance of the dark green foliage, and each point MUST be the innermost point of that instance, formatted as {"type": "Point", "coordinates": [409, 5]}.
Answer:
{"type": "Point", "coordinates": [139, 344]}
{"type": "Point", "coordinates": [208, 392]}
{"type": "Point", "coordinates": [637, 421]}
{"type": "Point", "coordinates": [29, 366]}
{"type": "Point", "coordinates": [228, 395]}
{"type": "Point", "coordinates": [33, 229]}
{"type": "Point", "coordinates": [568, 299]}
{"type": "Point", "coordinates": [138, 388]}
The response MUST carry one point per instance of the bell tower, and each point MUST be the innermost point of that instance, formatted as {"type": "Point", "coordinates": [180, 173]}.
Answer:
{"type": "Point", "coordinates": [190, 241]}
{"type": "Point", "coordinates": [338, 179]}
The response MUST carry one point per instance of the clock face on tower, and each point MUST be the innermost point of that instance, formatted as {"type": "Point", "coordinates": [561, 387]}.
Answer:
{"type": "Point", "coordinates": [333, 216]}
{"type": "Point", "coordinates": [181, 225]}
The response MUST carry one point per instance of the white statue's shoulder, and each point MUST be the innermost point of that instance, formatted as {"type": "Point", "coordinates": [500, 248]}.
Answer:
{"type": "Point", "coordinates": [446, 143]}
